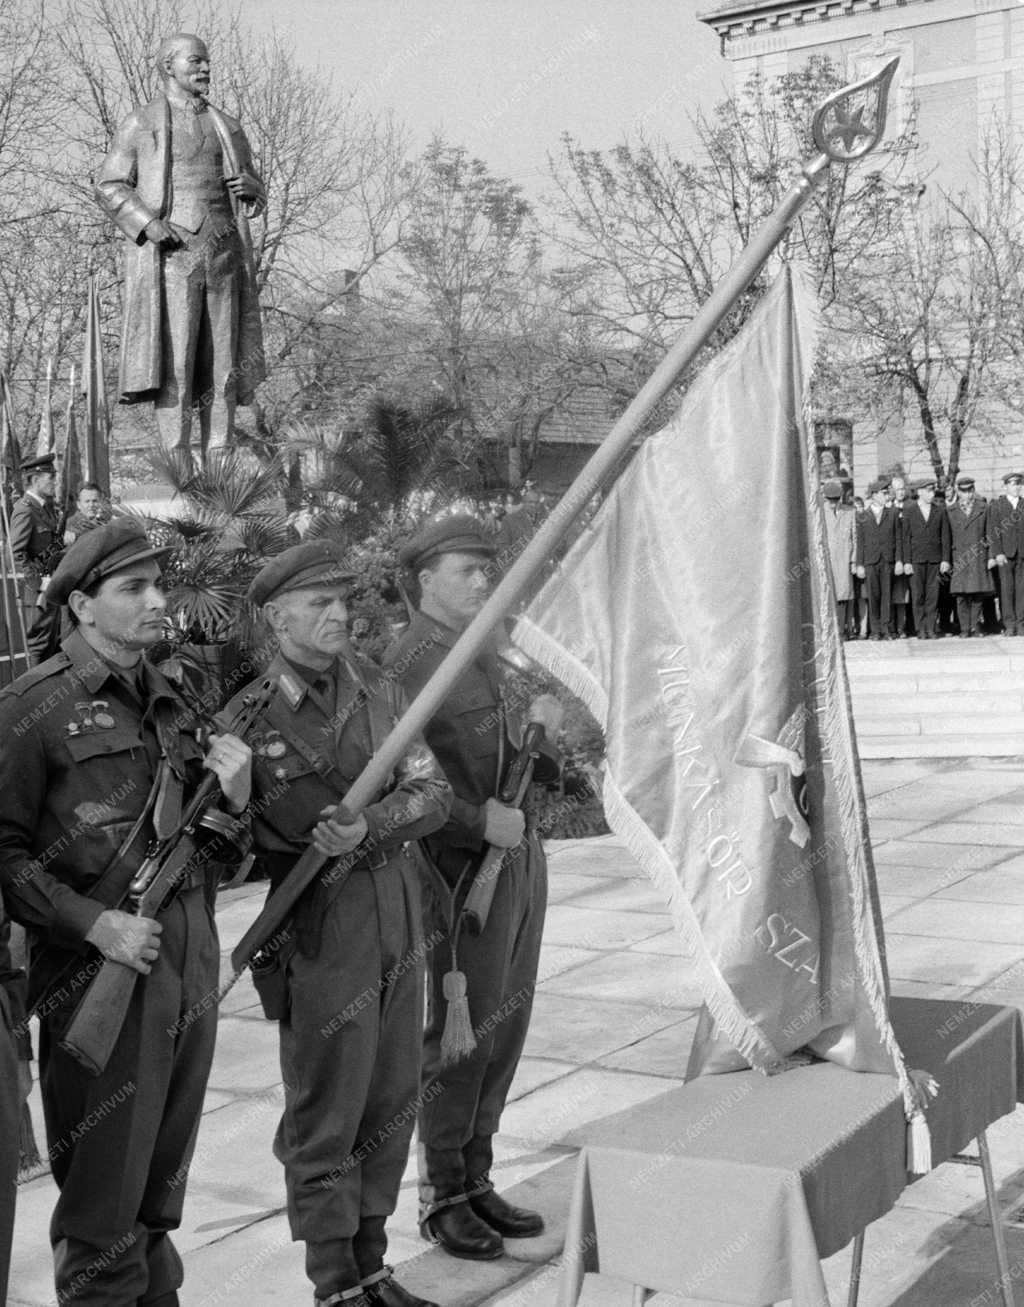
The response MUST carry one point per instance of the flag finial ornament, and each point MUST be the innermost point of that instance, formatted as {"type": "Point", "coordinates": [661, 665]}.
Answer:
{"type": "Point", "coordinates": [851, 122]}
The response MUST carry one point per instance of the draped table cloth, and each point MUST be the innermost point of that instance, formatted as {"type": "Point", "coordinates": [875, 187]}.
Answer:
{"type": "Point", "coordinates": [734, 1187]}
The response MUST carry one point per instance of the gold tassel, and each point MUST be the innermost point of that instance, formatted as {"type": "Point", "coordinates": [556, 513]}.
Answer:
{"type": "Point", "coordinates": [458, 1040]}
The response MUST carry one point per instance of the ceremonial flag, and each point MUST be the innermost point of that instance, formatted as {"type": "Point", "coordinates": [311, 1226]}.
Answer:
{"type": "Point", "coordinates": [96, 453]}
{"type": "Point", "coordinates": [695, 617]}
{"type": "Point", "coordinates": [10, 454]}
{"type": "Point", "coordinates": [69, 469]}
{"type": "Point", "coordinates": [44, 445]}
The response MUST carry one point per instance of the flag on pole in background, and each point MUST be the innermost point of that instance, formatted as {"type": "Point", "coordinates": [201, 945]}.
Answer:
{"type": "Point", "coordinates": [69, 465]}
{"type": "Point", "coordinates": [695, 617]}
{"type": "Point", "coordinates": [44, 444]}
{"type": "Point", "coordinates": [10, 453]}
{"type": "Point", "coordinates": [96, 443]}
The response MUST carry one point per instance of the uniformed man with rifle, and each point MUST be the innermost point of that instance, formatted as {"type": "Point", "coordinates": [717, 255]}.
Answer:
{"type": "Point", "coordinates": [345, 977]}
{"type": "Point", "coordinates": [481, 979]}
{"type": "Point", "coordinates": [101, 759]}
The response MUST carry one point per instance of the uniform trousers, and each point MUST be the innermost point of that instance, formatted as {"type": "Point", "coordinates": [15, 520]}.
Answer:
{"type": "Point", "coordinates": [202, 281]}
{"type": "Point", "coordinates": [1011, 595]}
{"type": "Point", "coordinates": [350, 1058]}
{"type": "Point", "coordinates": [120, 1143]}
{"type": "Point", "coordinates": [10, 1114]}
{"type": "Point", "coordinates": [878, 588]}
{"type": "Point", "coordinates": [462, 1103]}
{"type": "Point", "coordinates": [924, 594]}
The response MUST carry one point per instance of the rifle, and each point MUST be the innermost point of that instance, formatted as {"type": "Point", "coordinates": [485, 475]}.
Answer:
{"type": "Point", "coordinates": [96, 1024]}
{"type": "Point", "coordinates": [477, 906]}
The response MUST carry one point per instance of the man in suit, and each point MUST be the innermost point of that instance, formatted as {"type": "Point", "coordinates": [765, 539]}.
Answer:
{"type": "Point", "coordinates": [927, 554]}
{"type": "Point", "coordinates": [879, 553]}
{"type": "Point", "coordinates": [1006, 549]}
{"type": "Point", "coordinates": [902, 617]}
{"type": "Point", "coordinates": [971, 581]}
{"type": "Point", "coordinates": [180, 183]}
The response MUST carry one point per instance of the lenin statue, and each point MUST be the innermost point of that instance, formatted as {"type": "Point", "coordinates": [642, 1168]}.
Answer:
{"type": "Point", "coordinates": [179, 182]}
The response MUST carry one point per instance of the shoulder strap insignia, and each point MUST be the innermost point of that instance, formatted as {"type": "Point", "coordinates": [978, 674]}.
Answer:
{"type": "Point", "coordinates": [58, 663]}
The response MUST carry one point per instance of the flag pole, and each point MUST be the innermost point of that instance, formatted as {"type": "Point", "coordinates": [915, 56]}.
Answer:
{"type": "Point", "coordinates": [841, 135]}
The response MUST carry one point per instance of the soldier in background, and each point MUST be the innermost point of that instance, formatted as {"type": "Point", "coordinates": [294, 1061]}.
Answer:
{"type": "Point", "coordinates": [1006, 551]}
{"type": "Point", "coordinates": [971, 581]}
{"type": "Point", "coordinates": [37, 551]}
{"type": "Point", "coordinates": [89, 513]}
{"type": "Point", "coordinates": [927, 554]}
{"type": "Point", "coordinates": [839, 526]}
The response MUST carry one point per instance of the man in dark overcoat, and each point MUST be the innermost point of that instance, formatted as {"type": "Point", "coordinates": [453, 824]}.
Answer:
{"type": "Point", "coordinates": [1006, 550]}
{"type": "Point", "coordinates": [971, 579]}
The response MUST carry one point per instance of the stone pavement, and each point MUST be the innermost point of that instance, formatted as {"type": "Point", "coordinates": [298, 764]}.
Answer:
{"type": "Point", "coordinates": [612, 1025]}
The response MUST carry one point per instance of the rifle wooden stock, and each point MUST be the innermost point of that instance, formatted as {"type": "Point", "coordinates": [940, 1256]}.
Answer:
{"type": "Point", "coordinates": [99, 1017]}
{"type": "Point", "coordinates": [96, 1025]}
{"type": "Point", "coordinates": [477, 907]}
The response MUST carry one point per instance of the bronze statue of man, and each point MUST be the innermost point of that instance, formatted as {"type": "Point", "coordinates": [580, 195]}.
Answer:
{"type": "Point", "coordinates": [179, 182]}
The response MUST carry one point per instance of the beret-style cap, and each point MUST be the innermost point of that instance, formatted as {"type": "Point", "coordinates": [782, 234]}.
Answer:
{"type": "Point", "coordinates": [100, 553]}
{"type": "Point", "coordinates": [922, 483]}
{"type": "Point", "coordinates": [459, 534]}
{"type": "Point", "coordinates": [313, 563]}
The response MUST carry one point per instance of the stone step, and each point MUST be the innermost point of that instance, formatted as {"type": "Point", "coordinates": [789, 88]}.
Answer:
{"type": "Point", "coordinates": [940, 746]}
{"type": "Point", "coordinates": [938, 698]}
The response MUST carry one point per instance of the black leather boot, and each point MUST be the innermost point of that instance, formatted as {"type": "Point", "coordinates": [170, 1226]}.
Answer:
{"type": "Point", "coordinates": [513, 1222]}
{"type": "Point", "coordinates": [459, 1231]}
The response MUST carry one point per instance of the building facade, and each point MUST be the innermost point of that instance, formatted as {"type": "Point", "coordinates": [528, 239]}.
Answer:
{"type": "Point", "coordinates": [961, 69]}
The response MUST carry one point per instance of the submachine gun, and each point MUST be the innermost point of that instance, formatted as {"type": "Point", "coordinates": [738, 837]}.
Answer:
{"type": "Point", "coordinates": [96, 1024]}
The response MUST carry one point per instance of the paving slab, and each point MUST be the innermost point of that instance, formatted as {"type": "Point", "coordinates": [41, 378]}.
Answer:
{"type": "Point", "coordinates": [942, 857]}
{"type": "Point", "coordinates": [945, 918]}
{"type": "Point", "coordinates": [656, 980]}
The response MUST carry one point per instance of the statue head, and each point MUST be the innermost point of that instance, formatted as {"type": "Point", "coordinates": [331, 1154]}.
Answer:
{"type": "Point", "coordinates": [183, 60]}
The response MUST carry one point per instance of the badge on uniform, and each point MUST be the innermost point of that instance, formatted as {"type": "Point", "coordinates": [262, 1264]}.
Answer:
{"type": "Point", "coordinates": [272, 746]}
{"type": "Point", "coordinates": [100, 716]}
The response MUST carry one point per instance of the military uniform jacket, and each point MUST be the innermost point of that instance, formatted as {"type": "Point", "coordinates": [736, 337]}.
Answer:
{"type": "Point", "coordinates": [34, 538]}
{"type": "Point", "coordinates": [970, 549]}
{"type": "Point", "coordinates": [474, 735]}
{"type": "Point", "coordinates": [79, 759]}
{"type": "Point", "coordinates": [926, 540]}
{"type": "Point", "coordinates": [879, 541]}
{"type": "Point", "coordinates": [1005, 526]}
{"type": "Point", "coordinates": [311, 746]}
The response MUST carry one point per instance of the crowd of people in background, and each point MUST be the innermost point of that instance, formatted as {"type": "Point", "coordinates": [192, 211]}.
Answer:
{"type": "Point", "coordinates": [911, 562]}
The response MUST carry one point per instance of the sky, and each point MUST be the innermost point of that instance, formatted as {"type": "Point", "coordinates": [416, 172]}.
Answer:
{"type": "Point", "coordinates": [507, 79]}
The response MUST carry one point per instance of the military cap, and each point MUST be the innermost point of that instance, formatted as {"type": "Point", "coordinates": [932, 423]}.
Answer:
{"type": "Point", "coordinates": [965, 483]}
{"type": "Point", "coordinates": [44, 463]}
{"type": "Point", "coordinates": [100, 553]}
{"type": "Point", "coordinates": [832, 489]}
{"type": "Point", "coordinates": [459, 534]}
{"type": "Point", "coordinates": [1013, 476]}
{"type": "Point", "coordinates": [922, 483]}
{"type": "Point", "coordinates": [313, 563]}
{"type": "Point", "coordinates": [879, 483]}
